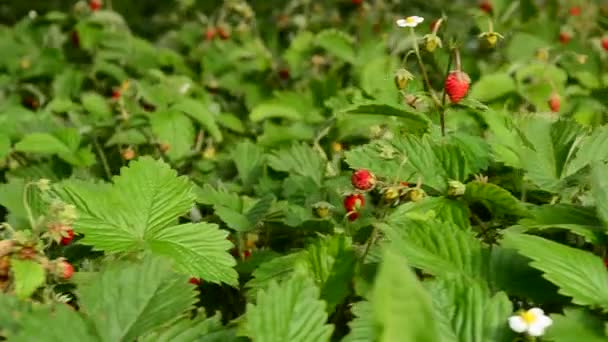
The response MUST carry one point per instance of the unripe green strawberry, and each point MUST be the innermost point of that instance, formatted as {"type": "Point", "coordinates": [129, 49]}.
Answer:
{"type": "Point", "coordinates": [363, 179]}
{"type": "Point", "coordinates": [457, 85]}
{"type": "Point", "coordinates": [402, 77]}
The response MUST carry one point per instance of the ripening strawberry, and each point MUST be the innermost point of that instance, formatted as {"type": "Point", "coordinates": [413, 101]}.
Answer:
{"type": "Point", "coordinates": [486, 6]}
{"type": "Point", "coordinates": [363, 179]}
{"type": "Point", "coordinates": [554, 102]}
{"type": "Point", "coordinates": [95, 5]}
{"type": "Point", "coordinates": [116, 94]}
{"type": "Point", "coordinates": [575, 11]}
{"type": "Point", "coordinates": [210, 33]}
{"type": "Point", "coordinates": [69, 236]}
{"type": "Point", "coordinates": [223, 33]}
{"type": "Point", "coordinates": [128, 154]}
{"type": "Point", "coordinates": [565, 37]}
{"type": "Point", "coordinates": [194, 281]}
{"type": "Point", "coordinates": [457, 85]}
{"type": "Point", "coordinates": [605, 43]}
{"type": "Point", "coordinates": [66, 270]}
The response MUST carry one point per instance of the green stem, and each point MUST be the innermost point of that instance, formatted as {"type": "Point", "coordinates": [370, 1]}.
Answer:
{"type": "Point", "coordinates": [368, 244]}
{"type": "Point", "coordinates": [102, 156]}
{"type": "Point", "coordinates": [422, 68]}
{"type": "Point", "coordinates": [26, 205]}
{"type": "Point", "coordinates": [443, 99]}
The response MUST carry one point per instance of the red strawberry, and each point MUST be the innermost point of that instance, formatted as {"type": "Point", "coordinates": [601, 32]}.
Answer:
{"type": "Point", "coordinates": [66, 270]}
{"type": "Point", "coordinates": [95, 5]}
{"type": "Point", "coordinates": [210, 33]}
{"type": "Point", "coordinates": [116, 94]}
{"type": "Point", "coordinates": [606, 262]}
{"type": "Point", "coordinates": [564, 37]}
{"type": "Point", "coordinates": [605, 43]}
{"type": "Point", "coordinates": [194, 281]}
{"type": "Point", "coordinates": [575, 11]}
{"type": "Point", "coordinates": [352, 203]}
{"type": "Point", "coordinates": [554, 102]}
{"type": "Point", "coordinates": [247, 254]}
{"type": "Point", "coordinates": [363, 179]}
{"type": "Point", "coordinates": [457, 85]}
{"type": "Point", "coordinates": [486, 6]}
{"type": "Point", "coordinates": [68, 237]}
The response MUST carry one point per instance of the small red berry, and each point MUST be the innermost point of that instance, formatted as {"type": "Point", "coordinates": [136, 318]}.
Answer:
{"type": "Point", "coordinates": [195, 281]}
{"type": "Point", "coordinates": [352, 203]}
{"type": "Point", "coordinates": [68, 237]}
{"type": "Point", "coordinates": [575, 11]}
{"type": "Point", "coordinates": [116, 94]}
{"type": "Point", "coordinates": [247, 253]}
{"type": "Point", "coordinates": [95, 5]}
{"type": "Point", "coordinates": [554, 102]}
{"type": "Point", "coordinates": [284, 74]}
{"type": "Point", "coordinates": [605, 43]}
{"type": "Point", "coordinates": [210, 33]}
{"type": "Point", "coordinates": [66, 270]}
{"type": "Point", "coordinates": [75, 38]}
{"type": "Point", "coordinates": [606, 262]}
{"type": "Point", "coordinates": [357, 2]}
{"type": "Point", "coordinates": [457, 85]}
{"type": "Point", "coordinates": [223, 33]}
{"type": "Point", "coordinates": [564, 37]}
{"type": "Point", "coordinates": [486, 6]}
{"type": "Point", "coordinates": [363, 179]}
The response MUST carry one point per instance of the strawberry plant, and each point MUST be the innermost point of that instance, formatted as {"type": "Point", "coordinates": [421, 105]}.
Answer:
{"type": "Point", "coordinates": [304, 171]}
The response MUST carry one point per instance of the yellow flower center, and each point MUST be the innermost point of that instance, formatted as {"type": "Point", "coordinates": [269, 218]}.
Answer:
{"type": "Point", "coordinates": [410, 20]}
{"type": "Point", "coordinates": [528, 317]}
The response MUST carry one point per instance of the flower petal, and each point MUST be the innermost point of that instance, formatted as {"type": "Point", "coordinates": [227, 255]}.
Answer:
{"type": "Point", "coordinates": [536, 330]}
{"type": "Point", "coordinates": [537, 312]}
{"type": "Point", "coordinates": [402, 22]}
{"type": "Point", "coordinates": [517, 324]}
{"type": "Point", "coordinates": [545, 321]}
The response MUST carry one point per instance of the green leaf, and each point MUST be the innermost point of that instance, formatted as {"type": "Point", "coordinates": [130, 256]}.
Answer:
{"type": "Point", "coordinates": [5, 146]}
{"type": "Point", "coordinates": [337, 43]}
{"type": "Point", "coordinates": [59, 324]}
{"type": "Point", "coordinates": [219, 197]}
{"type": "Point", "coordinates": [259, 210]}
{"type": "Point", "coordinates": [492, 86]}
{"type": "Point", "coordinates": [466, 311]}
{"type": "Point", "coordinates": [579, 220]}
{"type": "Point", "coordinates": [498, 200]}
{"type": "Point", "coordinates": [274, 109]}
{"type": "Point", "coordinates": [443, 209]}
{"type": "Point", "coordinates": [593, 148]}
{"type": "Point", "coordinates": [175, 130]}
{"type": "Point", "coordinates": [440, 248]}
{"type": "Point", "coordinates": [362, 327]}
{"type": "Point", "coordinates": [127, 137]}
{"type": "Point", "coordinates": [249, 160]}
{"type": "Point", "coordinates": [300, 159]}
{"type": "Point", "coordinates": [576, 324]}
{"type": "Point", "coordinates": [396, 295]}
{"type": "Point", "coordinates": [599, 189]}
{"type": "Point", "coordinates": [63, 143]}
{"type": "Point", "coordinates": [126, 301]}
{"type": "Point", "coordinates": [290, 311]}
{"type": "Point", "coordinates": [186, 329]}
{"type": "Point", "coordinates": [578, 274]}
{"type": "Point", "coordinates": [197, 110]}
{"type": "Point", "coordinates": [278, 269]}
{"type": "Point", "coordinates": [412, 119]}
{"type": "Point", "coordinates": [96, 105]}
{"type": "Point", "coordinates": [376, 76]}
{"type": "Point", "coordinates": [29, 276]}
{"type": "Point", "coordinates": [233, 219]}
{"type": "Point", "coordinates": [113, 222]}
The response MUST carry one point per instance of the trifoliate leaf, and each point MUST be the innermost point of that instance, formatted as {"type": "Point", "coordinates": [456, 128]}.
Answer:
{"type": "Point", "coordinates": [113, 222]}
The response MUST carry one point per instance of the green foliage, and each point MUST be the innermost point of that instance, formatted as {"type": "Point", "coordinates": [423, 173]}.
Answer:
{"type": "Point", "coordinates": [118, 224]}
{"type": "Point", "coordinates": [290, 311]}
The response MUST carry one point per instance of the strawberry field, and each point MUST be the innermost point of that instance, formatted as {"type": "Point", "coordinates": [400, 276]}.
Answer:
{"type": "Point", "coordinates": [274, 171]}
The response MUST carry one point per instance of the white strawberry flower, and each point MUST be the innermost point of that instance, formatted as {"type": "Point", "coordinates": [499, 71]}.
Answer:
{"type": "Point", "coordinates": [412, 21]}
{"type": "Point", "coordinates": [532, 322]}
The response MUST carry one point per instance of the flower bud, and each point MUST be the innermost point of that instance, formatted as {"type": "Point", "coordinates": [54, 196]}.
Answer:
{"type": "Point", "coordinates": [456, 188]}
{"type": "Point", "coordinates": [431, 42]}
{"type": "Point", "coordinates": [416, 194]}
{"type": "Point", "coordinates": [402, 77]}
